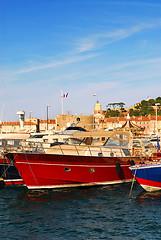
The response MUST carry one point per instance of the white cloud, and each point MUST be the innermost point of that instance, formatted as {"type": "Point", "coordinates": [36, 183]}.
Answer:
{"type": "Point", "coordinates": [54, 64]}
{"type": "Point", "coordinates": [86, 46]}
{"type": "Point", "coordinates": [95, 41]}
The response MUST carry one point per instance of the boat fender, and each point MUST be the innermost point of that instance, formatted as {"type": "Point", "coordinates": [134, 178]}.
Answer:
{"type": "Point", "coordinates": [132, 163]}
{"type": "Point", "coordinates": [118, 168]}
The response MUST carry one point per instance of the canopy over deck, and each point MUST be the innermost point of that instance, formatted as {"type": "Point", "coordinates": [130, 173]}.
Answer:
{"type": "Point", "coordinates": [106, 134]}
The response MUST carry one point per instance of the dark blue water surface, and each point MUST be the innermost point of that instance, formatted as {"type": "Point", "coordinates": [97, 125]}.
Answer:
{"type": "Point", "coordinates": [82, 213]}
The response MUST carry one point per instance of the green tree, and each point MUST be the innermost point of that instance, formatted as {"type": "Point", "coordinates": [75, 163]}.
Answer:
{"type": "Point", "coordinates": [137, 106]}
{"type": "Point", "coordinates": [112, 113]}
{"type": "Point", "coordinates": [109, 105]}
{"type": "Point", "coordinates": [158, 100]}
{"type": "Point", "coordinates": [159, 112]}
{"type": "Point", "coordinates": [121, 105]}
{"type": "Point", "coordinates": [144, 104]}
{"type": "Point", "coordinates": [145, 108]}
{"type": "Point", "coordinates": [133, 112]}
{"type": "Point", "coordinates": [150, 111]}
{"type": "Point", "coordinates": [136, 113]}
{"type": "Point", "coordinates": [151, 102]}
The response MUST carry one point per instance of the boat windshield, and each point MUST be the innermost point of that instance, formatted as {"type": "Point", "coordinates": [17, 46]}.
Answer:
{"type": "Point", "coordinates": [74, 141]}
{"type": "Point", "coordinates": [147, 144]}
{"type": "Point", "coordinates": [37, 136]}
{"type": "Point", "coordinates": [116, 140]}
{"type": "Point", "coordinates": [111, 142]}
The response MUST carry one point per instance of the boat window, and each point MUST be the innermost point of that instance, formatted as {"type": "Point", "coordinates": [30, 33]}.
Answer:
{"type": "Point", "coordinates": [136, 143]}
{"type": "Point", "coordinates": [10, 142]}
{"type": "Point", "coordinates": [124, 137]}
{"type": "Point", "coordinates": [56, 144]}
{"type": "Point", "coordinates": [73, 141]}
{"type": "Point", "coordinates": [92, 170]}
{"type": "Point", "coordinates": [67, 169]}
{"type": "Point", "coordinates": [37, 136]}
{"type": "Point", "coordinates": [115, 143]}
{"type": "Point", "coordinates": [126, 152]}
{"type": "Point", "coordinates": [97, 140]}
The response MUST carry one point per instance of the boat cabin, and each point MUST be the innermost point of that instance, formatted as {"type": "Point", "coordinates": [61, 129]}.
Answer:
{"type": "Point", "coordinates": [96, 143]}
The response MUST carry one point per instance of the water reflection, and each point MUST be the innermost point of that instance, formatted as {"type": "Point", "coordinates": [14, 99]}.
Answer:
{"type": "Point", "coordinates": [149, 197]}
{"type": "Point", "coordinates": [58, 195]}
{"type": "Point", "coordinates": [101, 212]}
{"type": "Point", "coordinates": [73, 193]}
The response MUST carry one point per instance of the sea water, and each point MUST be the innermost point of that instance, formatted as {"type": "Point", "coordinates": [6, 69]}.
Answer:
{"type": "Point", "coordinates": [80, 213]}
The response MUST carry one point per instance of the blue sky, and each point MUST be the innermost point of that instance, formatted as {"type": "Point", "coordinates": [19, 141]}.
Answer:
{"type": "Point", "coordinates": [84, 47]}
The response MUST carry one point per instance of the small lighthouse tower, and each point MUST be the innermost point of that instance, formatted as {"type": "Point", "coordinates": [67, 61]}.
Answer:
{"type": "Point", "coordinates": [21, 118]}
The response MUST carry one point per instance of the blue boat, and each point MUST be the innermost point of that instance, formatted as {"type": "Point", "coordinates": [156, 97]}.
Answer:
{"type": "Point", "coordinates": [148, 175]}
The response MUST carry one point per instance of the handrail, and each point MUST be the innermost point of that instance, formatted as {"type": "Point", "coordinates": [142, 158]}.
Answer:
{"type": "Point", "coordinates": [91, 150]}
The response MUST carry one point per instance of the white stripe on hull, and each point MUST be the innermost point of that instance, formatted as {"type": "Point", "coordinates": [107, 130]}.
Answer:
{"type": "Point", "coordinates": [146, 166]}
{"type": "Point", "coordinates": [80, 185]}
{"type": "Point", "coordinates": [13, 180]}
{"type": "Point", "coordinates": [68, 164]}
{"type": "Point", "coordinates": [150, 188]}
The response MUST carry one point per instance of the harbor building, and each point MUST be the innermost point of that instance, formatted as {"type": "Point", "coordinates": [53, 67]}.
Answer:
{"type": "Point", "coordinates": [149, 124]}
{"type": "Point", "coordinates": [31, 124]}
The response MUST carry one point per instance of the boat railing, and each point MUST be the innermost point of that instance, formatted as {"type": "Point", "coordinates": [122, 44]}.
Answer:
{"type": "Point", "coordinates": [71, 149]}
{"type": "Point", "coordinates": [88, 150]}
{"type": "Point", "coordinates": [22, 147]}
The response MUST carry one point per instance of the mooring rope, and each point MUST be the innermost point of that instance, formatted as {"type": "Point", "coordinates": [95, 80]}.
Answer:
{"type": "Point", "coordinates": [31, 169]}
{"type": "Point", "coordinates": [132, 183]}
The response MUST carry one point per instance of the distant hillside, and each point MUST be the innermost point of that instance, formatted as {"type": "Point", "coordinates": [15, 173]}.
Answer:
{"type": "Point", "coordinates": [144, 108]}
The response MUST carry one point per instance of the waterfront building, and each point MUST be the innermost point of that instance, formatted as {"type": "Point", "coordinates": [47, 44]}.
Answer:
{"type": "Point", "coordinates": [59, 124]}
{"type": "Point", "coordinates": [65, 120]}
{"type": "Point", "coordinates": [97, 121]}
{"type": "Point", "coordinates": [147, 123]}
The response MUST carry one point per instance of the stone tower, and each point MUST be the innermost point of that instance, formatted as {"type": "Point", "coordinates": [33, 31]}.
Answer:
{"type": "Point", "coordinates": [97, 108]}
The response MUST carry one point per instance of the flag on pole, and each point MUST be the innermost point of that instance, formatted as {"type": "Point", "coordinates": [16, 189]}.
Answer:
{"type": "Point", "coordinates": [158, 146]}
{"type": "Point", "coordinates": [65, 95]}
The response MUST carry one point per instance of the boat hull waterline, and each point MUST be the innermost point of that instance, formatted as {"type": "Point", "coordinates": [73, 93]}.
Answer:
{"type": "Point", "coordinates": [148, 176]}
{"type": "Point", "coordinates": [41, 171]}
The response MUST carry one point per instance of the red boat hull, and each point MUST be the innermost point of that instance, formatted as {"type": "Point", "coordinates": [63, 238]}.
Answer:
{"type": "Point", "coordinates": [56, 171]}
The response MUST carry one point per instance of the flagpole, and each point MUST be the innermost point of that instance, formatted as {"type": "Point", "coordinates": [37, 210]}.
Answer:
{"type": "Point", "coordinates": [62, 102]}
{"type": "Point", "coordinates": [156, 127]}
